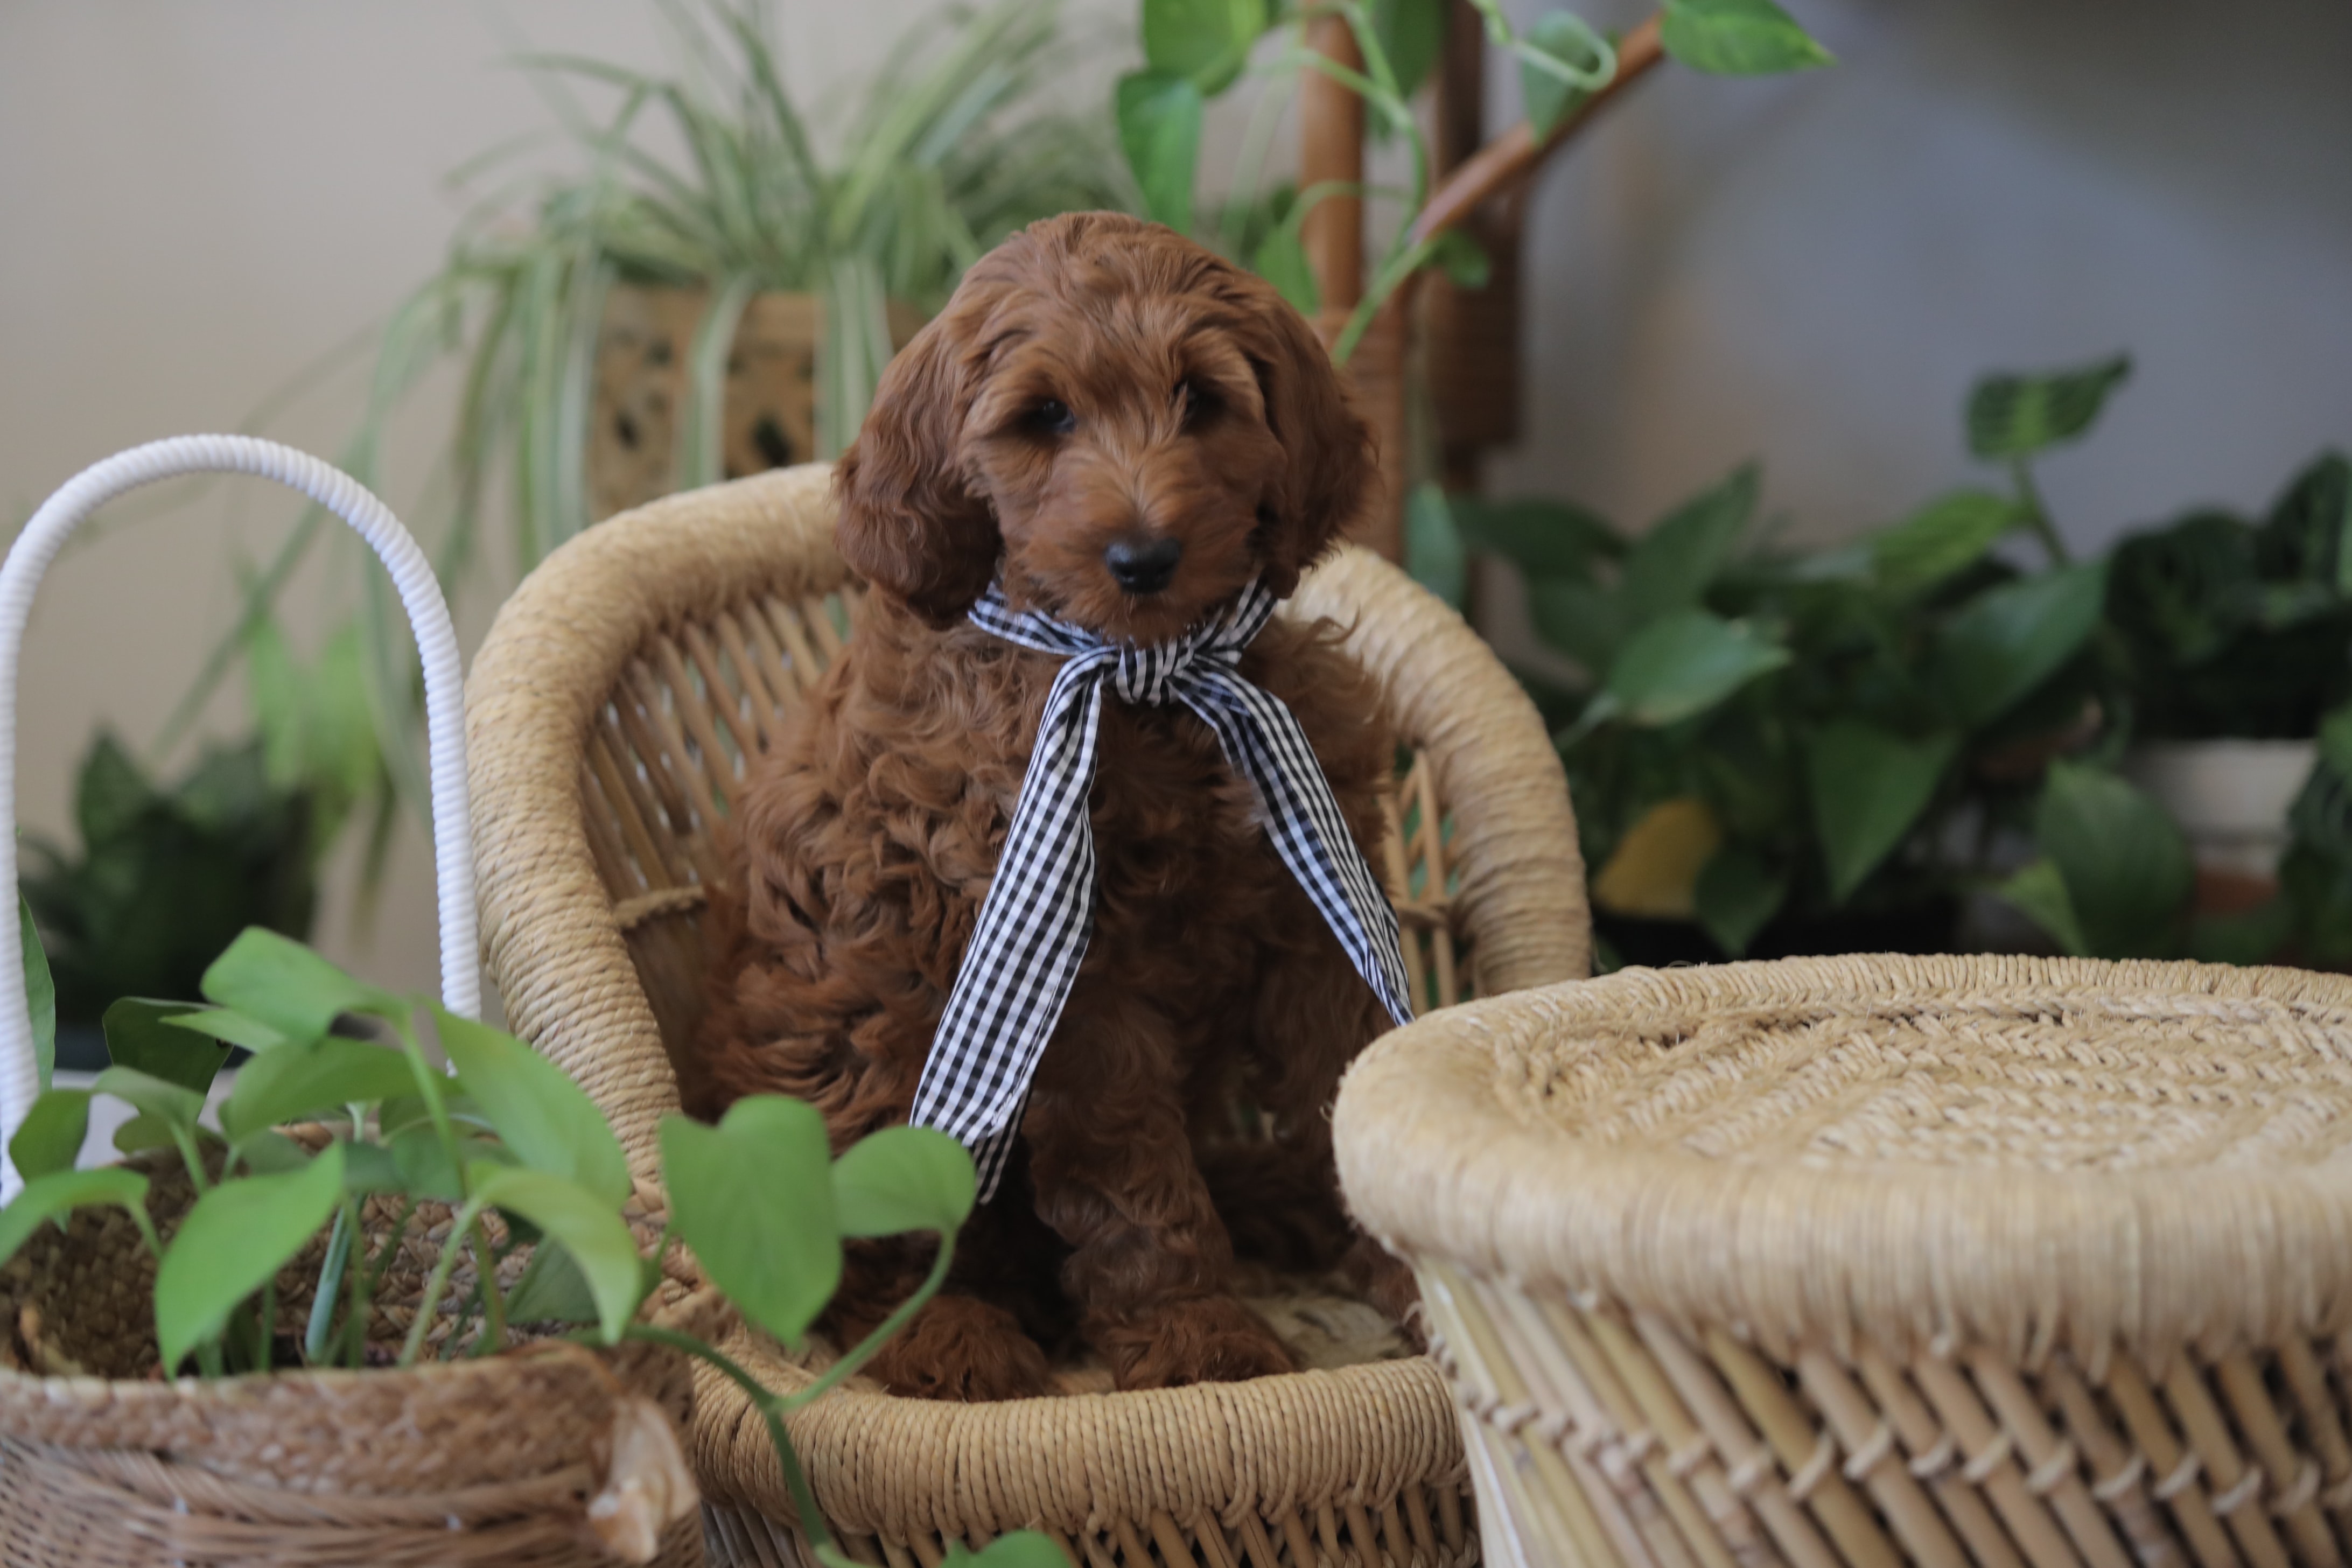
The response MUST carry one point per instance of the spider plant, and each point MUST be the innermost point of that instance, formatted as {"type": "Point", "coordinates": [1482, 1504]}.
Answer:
{"type": "Point", "coordinates": [705, 176]}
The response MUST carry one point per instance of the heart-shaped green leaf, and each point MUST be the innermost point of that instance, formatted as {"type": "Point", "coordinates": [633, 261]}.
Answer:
{"type": "Point", "coordinates": [1020, 1549]}
{"type": "Point", "coordinates": [584, 1226]}
{"type": "Point", "coordinates": [234, 1241]}
{"type": "Point", "coordinates": [370, 1168]}
{"type": "Point", "coordinates": [230, 1027]}
{"type": "Point", "coordinates": [1582, 619]}
{"type": "Point", "coordinates": [52, 1134]}
{"type": "Point", "coordinates": [1687, 663]}
{"type": "Point", "coordinates": [1947, 535]}
{"type": "Point", "coordinates": [1669, 567]}
{"type": "Point", "coordinates": [272, 1153]}
{"type": "Point", "coordinates": [40, 992]}
{"type": "Point", "coordinates": [2005, 642]}
{"type": "Point", "coordinates": [1205, 40]}
{"type": "Point", "coordinates": [1736, 895]}
{"type": "Point", "coordinates": [139, 1037]}
{"type": "Point", "coordinates": [545, 1118]}
{"type": "Point", "coordinates": [1561, 61]}
{"type": "Point", "coordinates": [295, 1081]}
{"type": "Point", "coordinates": [551, 1290]}
{"type": "Point", "coordinates": [2040, 893]}
{"type": "Point", "coordinates": [1541, 537]}
{"type": "Point", "coordinates": [1160, 132]}
{"type": "Point", "coordinates": [1463, 259]}
{"type": "Point", "coordinates": [110, 792]}
{"type": "Point", "coordinates": [401, 1113]}
{"type": "Point", "coordinates": [2125, 864]}
{"type": "Point", "coordinates": [1413, 35]}
{"type": "Point", "coordinates": [2018, 415]}
{"type": "Point", "coordinates": [1737, 37]}
{"type": "Point", "coordinates": [174, 1105]}
{"type": "Point", "coordinates": [902, 1179]}
{"type": "Point", "coordinates": [142, 1132]}
{"type": "Point", "coordinates": [2310, 524]}
{"type": "Point", "coordinates": [1281, 260]}
{"type": "Point", "coordinates": [61, 1192]}
{"type": "Point", "coordinates": [426, 1168]}
{"type": "Point", "coordinates": [753, 1198]}
{"type": "Point", "coordinates": [1869, 787]}
{"type": "Point", "coordinates": [291, 988]}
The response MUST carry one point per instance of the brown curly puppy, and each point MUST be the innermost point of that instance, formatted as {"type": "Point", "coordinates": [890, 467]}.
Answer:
{"type": "Point", "coordinates": [1098, 393]}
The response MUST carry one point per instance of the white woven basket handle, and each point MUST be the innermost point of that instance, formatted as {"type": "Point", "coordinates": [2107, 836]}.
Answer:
{"type": "Point", "coordinates": [445, 712]}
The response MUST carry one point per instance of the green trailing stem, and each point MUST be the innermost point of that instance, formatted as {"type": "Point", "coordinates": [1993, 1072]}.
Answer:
{"type": "Point", "coordinates": [772, 1411]}
{"type": "Point", "coordinates": [871, 1345]}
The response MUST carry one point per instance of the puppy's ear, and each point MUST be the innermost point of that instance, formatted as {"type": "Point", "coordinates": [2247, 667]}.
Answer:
{"type": "Point", "coordinates": [908, 522]}
{"type": "Point", "coordinates": [1327, 447]}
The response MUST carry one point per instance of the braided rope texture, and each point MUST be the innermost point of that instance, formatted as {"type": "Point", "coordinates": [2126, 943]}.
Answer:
{"type": "Point", "coordinates": [471, 1461]}
{"type": "Point", "coordinates": [612, 711]}
{"type": "Point", "coordinates": [1859, 1261]}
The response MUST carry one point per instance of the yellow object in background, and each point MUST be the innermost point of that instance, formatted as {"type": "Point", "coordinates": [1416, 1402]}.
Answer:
{"type": "Point", "coordinates": [1657, 863]}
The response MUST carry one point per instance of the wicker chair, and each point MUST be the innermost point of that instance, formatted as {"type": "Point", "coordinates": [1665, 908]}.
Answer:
{"type": "Point", "coordinates": [610, 715]}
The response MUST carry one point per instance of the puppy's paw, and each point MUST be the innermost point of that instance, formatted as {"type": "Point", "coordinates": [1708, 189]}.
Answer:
{"type": "Point", "coordinates": [1386, 1281]}
{"type": "Point", "coordinates": [1202, 1339]}
{"type": "Point", "coordinates": [959, 1347]}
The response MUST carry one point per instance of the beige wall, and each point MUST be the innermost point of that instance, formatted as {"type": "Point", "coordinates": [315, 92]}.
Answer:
{"type": "Point", "coordinates": [199, 198]}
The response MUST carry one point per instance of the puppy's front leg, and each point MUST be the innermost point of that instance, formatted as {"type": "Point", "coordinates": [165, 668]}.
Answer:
{"type": "Point", "coordinates": [1151, 1267]}
{"type": "Point", "coordinates": [1314, 1016]}
{"type": "Point", "coordinates": [958, 1347]}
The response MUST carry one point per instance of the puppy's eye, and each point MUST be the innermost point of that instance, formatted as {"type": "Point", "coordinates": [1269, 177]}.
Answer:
{"type": "Point", "coordinates": [1053, 418]}
{"type": "Point", "coordinates": [1194, 401]}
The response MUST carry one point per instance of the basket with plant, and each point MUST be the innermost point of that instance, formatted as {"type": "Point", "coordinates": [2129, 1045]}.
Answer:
{"type": "Point", "coordinates": [374, 1309]}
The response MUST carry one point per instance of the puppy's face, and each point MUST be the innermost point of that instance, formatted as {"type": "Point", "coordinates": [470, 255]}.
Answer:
{"type": "Point", "coordinates": [1123, 426]}
{"type": "Point", "coordinates": [1123, 444]}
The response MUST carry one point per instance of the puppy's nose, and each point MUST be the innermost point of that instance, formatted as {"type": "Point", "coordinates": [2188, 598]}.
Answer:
{"type": "Point", "coordinates": [1144, 566]}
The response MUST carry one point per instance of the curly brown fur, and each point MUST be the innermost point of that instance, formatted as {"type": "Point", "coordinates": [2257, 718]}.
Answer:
{"type": "Point", "coordinates": [1095, 379]}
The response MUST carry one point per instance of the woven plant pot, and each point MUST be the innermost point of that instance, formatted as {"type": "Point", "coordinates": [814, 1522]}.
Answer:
{"type": "Point", "coordinates": [769, 417]}
{"type": "Point", "coordinates": [1865, 1261]}
{"type": "Point", "coordinates": [611, 710]}
{"type": "Point", "coordinates": [496, 1461]}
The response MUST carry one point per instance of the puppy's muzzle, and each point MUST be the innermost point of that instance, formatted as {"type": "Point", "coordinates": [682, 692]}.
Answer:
{"type": "Point", "coordinates": [1144, 566]}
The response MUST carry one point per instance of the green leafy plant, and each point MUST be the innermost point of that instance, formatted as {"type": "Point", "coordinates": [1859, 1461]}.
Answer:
{"type": "Point", "coordinates": [1758, 739]}
{"type": "Point", "coordinates": [2237, 626]}
{"type": "Point", "coordinates": [516, 1149]}
{"type": "Point", "coordinates": [2227, 627]}
{"type": "Point", "coordinates": [1195, 51]}
{"type": "Point", "coordinates": [1807, 740]}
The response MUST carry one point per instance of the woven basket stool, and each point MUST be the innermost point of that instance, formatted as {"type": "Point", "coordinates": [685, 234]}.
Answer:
{"type": "Point", "coordinates": [612, 710]}
{"type": "Point", "coordinates": [489, 1461]}
{"type": "Point", "coordinates": [1867, 1261]}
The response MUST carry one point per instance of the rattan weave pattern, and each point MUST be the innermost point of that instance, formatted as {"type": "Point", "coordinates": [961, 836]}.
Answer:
{"type": "Point", "coordinates": [612, 712]}
{"type": "Point", "coordinates": [491, 1460]}
{"type": "Point", "coordinates": [1868, 1260]}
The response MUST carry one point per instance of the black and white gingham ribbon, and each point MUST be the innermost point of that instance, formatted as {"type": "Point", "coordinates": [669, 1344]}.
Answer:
{"type": "Point", "coordinates": [1039, 911]}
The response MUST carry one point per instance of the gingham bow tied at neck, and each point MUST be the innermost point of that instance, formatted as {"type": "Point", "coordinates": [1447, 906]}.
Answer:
{"type": "Point", "coordinates": [1033, 929]}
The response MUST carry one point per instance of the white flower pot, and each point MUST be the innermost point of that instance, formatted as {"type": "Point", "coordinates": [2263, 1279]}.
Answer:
{"type": "Point", "coordinates": [2231, 798]}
